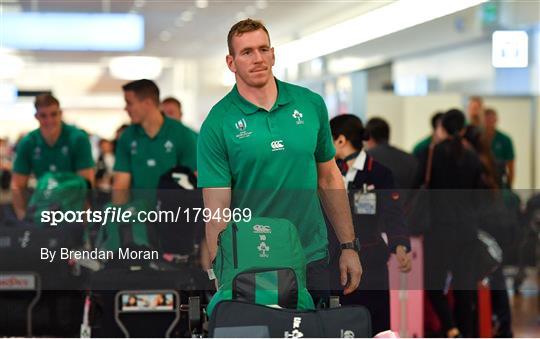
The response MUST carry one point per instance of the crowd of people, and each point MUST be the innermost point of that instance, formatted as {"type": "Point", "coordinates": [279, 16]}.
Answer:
{"type": "Point", "coordinates": [273, 136]}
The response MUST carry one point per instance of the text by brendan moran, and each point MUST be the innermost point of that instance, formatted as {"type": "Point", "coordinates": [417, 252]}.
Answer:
{"type": "Point", "coordinates": [96, 254]}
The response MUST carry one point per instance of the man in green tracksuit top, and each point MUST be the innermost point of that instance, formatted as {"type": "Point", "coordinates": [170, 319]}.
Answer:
{"type": "Point", "coordinates": [151, 146]}
{"type": "Point", "coordinates": [267, 146]}
{"type": "Point", "coordinates": [54, 147]}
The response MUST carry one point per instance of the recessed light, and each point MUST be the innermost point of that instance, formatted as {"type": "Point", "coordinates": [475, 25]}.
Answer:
{"type": "Point", "coordinates": [165, 36]}
{"type": "Point", "coordinates": [201, 3]}
{"type": "Point", "coordinates": [139, 3]}
{"type": "Point", "coordinates": [135, 67]}
{"type": "Point", "coordinates": [178, 22]}
{"type": "Point", "coordinates": [187, 16]}
{"type": "Point", "coordinates": [261, 4]}
{"type": "Point", "coordinates": [10, 66]}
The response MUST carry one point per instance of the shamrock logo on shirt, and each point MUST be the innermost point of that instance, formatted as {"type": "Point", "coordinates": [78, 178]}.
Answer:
{"type": "Point", "coordinates": [298, 116]}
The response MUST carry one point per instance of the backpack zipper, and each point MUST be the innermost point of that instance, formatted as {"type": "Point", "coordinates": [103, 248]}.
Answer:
{"type": "Point", "coordinates": [234, 244]}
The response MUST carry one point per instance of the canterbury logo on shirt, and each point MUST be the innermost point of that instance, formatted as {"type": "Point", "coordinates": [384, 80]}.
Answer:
{"type": "Point", "coordinates": [277, 145]}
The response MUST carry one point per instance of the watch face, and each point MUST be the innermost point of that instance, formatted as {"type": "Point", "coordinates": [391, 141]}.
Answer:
{"type": "Point", "coordinates": [354, 245]}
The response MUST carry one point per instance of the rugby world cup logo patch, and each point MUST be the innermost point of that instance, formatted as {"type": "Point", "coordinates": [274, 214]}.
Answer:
{"type": "Point", "coordinates": [241, 125]}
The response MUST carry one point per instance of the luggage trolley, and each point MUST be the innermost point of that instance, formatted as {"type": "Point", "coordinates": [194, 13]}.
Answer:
{"type": "Point", "coordinates": [144, 302]}
{"type": "Point", "coordinates": [22, 282]}
{"type": "Point", "coordinates": [162, 298]}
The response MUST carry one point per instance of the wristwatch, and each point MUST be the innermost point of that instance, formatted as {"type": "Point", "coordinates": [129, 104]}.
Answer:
{"type": "Point", "coordinates": [353, 245]}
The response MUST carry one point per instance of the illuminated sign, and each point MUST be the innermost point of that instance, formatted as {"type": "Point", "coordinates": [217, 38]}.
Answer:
{"type": "Point", "coordinates": [73, 31]}
{"type": "Point", "coordinates": [510, 49]}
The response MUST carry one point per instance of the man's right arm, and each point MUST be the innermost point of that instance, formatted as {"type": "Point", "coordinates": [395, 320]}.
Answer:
{"type": "Point", "coordinates": [215, 199]}
{"type": "Point", "coordinates": [19, 182]}
{"type": "Point", "coordinates": [121, 186]}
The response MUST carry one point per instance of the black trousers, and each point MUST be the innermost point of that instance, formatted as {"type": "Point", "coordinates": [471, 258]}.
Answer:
{"type": "Point", "coordinates": [373, 291]}
{"type": "Point", "coordinates": [318, 281]}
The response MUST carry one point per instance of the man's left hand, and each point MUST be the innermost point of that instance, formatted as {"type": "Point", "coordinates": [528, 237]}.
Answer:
{"type": "Point", "coordinates": [404, 259]}
{"type": "Point", "coordinates": [350, 270]}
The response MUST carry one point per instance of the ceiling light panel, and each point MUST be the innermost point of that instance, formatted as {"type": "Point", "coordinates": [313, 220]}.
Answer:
{"type": "Point", "coordinates": [396, 16]}
{"type": "Point", "coordinates": [73, 31]}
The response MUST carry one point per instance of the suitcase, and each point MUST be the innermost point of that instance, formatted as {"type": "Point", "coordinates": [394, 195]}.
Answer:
{"type": "Point", "coordinates": [485, 325]}
{"type": "Point", "coordinates": [407, 294]}
{"type": "Point", "coordinates": [237, 319]}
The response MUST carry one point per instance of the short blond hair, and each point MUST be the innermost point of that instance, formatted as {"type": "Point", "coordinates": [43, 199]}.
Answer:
{"type": "Point", "coordinates": [45, 100]}
{"type": "Point", "coordinates": [244, 26]}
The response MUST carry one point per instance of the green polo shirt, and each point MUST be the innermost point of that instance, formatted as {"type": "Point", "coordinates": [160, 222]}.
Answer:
{"type": "Point", "coordinates": [146, 159]}
{"type": "Point", "coordinates": [502, 147]}
{"type": "Point", "coordinates": [70, 153]}
{"type": "Point", "coordinates": [269, 158]}
{"type": "Point", "coordinates": [421, 145]}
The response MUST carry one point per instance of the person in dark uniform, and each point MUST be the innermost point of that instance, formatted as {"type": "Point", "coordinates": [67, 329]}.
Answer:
{"type": "Point", "coordinates": [374, 202]}
{"type": "Point", "coordinates": [455, 172]}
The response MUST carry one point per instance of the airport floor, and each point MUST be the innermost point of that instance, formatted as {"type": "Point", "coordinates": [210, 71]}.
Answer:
{"type": "Point", "coordinates": [526, 308]}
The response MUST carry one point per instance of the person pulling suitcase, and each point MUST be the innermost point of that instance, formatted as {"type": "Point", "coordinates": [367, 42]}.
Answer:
{"type": "Point", "coordinates": [373, 202]}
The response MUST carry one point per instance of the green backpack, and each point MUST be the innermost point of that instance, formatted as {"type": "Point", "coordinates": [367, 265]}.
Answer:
{"type": "Point", "coordinates": [263, 262]}
{"type": "Point", "coordinates": [114, 235]}
{"type": "Point", "coordinates": [62, 191]}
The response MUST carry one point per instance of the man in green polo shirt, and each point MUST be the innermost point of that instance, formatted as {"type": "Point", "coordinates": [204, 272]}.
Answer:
{"type": "Point", "coordinates": [424, 144]}
{"type": "Point", "coordinates": [267, 146]}
{"type": "Point", "coordinates": [53, 147]}
{"type": "Point", "coordinates": [151, 146]}
{"type": "Point", "coordinates": [172, 108]}
{"type": "Point", "coordinates": [501, 146]}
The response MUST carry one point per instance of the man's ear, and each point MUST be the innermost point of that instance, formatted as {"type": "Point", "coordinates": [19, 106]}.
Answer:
{"type": "Point", "coordinates": [229, 59]}
{"type": "Point", "coordinates": [148, 102]}
{"type": "Point", "coordinates": [273, 56]}
{"type": "Point", "coordinates": [341, 140]}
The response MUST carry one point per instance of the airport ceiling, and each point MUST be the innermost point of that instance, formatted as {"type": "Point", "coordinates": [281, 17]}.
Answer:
{"type": "Point", "coordinates": [187, 29]}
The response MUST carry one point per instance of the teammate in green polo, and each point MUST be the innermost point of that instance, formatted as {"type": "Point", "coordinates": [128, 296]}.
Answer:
{"type": "Point", "coordinates": [151, 146]}
{"type": "Point", "coordinates": [501, 146]}
{"type": "Point", "coordinates": [172, 108]}
{"type": "Point", "coordinates": [267, 146]}
{"type": "Point", "coordinates": [424, 144]}
{"type": "Point", "coordinates": [53, 147]}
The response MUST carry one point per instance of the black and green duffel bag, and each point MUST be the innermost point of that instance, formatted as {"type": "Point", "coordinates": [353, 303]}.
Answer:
{"type": "Point", "coordinates": [261, 261]}
{"type": "Point", "coordinates": [57, 191]}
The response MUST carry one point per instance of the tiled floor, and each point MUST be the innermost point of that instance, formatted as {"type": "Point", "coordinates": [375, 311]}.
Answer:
{"type": "Point", "coordinates": [526, 318]}
{"type": "Point", "coordinates": [526, 308]}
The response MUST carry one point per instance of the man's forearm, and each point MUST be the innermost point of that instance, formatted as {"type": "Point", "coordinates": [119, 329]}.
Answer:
{"type": "Point", "coordinates": [88, 174]}
{"type": "Point", "coordinates": [215, 199]}
{"type": "Point", "coordinates": [510, 166]}
{"type": "Point", "coordinates": [336, 205]}
{"type": "Point", "coordinates": [119, 196]}
{"type": "Point", "coordinates": [18, 186]}
{"type": "Point", "coordinates": [19, 203]}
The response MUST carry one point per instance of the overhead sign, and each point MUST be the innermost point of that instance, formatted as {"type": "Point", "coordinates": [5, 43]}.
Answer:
{"type": "Point", "coordinates": [510, 49]}
{"type": "Point", "coordinates": [73, 31]}
{"type": "Point", "coordinates": [17, 282]}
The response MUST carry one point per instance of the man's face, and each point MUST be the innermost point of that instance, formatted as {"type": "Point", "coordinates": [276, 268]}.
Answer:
{"type": "Point", "coordinates": [440, 133]}
{"type": "Point", "coordinates": [49, 117]}
{"type": "Point", "coordinates": [475, 112]}
{"type": "Point", "coordinates": [490, 120]}
{"type": "Point", "coordinates": [172, 110]}
{"type": "Point", "coordinates": [137, 109]}
{"type": "Point", "coordinates": [253, 59]}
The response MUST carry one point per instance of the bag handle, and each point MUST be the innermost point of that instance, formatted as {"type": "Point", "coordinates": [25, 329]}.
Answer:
{"type": "Point", "coordinates": [427, 175]}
